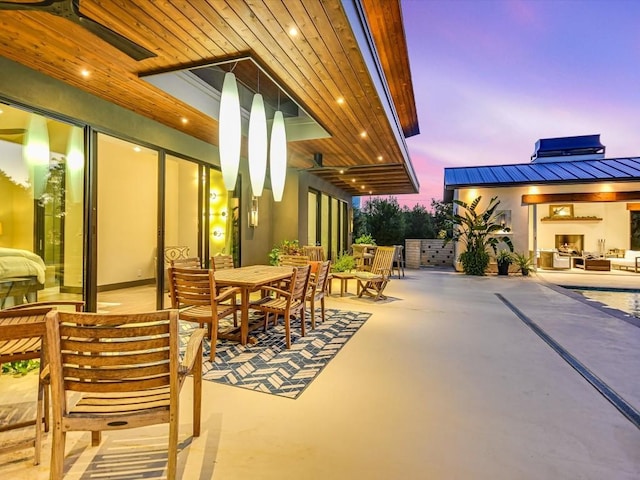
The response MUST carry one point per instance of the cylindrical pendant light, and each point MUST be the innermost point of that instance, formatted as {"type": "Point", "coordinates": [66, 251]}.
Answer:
{"type": "Point", "coordinates": [257, 145]}
{"type": "Point", "coordinates": [229, 131]}
{"type": "Point", "coordinates": [75, 164]}
{"type": "Point", "coordinates": [36, 144]}
{"type": "Point", "coordinates": [278, 156]}
{"type": "Point", "coordinates": [36, 153]}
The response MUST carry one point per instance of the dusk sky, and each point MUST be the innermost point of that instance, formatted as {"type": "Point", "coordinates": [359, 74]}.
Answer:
{"type": "Point", "coordinates": [491, 77]}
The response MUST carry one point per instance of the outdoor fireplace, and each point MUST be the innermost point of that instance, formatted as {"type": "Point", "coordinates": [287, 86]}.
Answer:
{"type": "Point", "coordinates": [572, 244]}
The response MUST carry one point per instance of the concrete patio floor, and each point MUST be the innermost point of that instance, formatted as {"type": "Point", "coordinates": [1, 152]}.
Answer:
{"type": "Point", "coordinates": [444, 381]}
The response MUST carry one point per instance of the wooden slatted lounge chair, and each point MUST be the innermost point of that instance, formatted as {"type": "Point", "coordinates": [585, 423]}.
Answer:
{"type": "Point", "coordinates": [373, 282]}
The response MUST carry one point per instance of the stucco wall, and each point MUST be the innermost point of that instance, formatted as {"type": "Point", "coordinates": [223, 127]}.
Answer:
{"type": "Point", "coordinates": [614, 227]}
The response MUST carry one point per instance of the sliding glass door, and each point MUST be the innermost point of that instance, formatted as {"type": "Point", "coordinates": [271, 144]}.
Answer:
{"type": "Point", "coordinates": [41, 208]}
{"type": "Point", "coordinates": [127, 225]}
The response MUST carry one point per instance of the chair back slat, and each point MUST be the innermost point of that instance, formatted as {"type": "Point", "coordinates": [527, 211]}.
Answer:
{"type": "Point", "coordinates": [293, 260]}
{"type": "Point", "coordinates": [112, 360]}
{"type": "Point", "coordinates": [110, 346]}
{"type": "Point", "coordinates": [121, 386]}
{"type": "Point", "coordinates": [110, 373]}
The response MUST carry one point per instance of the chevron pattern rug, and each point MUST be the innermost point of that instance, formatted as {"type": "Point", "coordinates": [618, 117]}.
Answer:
{"type": "Point", "coordinates": [268, 367]}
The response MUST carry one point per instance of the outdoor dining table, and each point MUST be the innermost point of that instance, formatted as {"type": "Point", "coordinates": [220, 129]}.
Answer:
{"type": "Point", "coordinates": [249, 279]}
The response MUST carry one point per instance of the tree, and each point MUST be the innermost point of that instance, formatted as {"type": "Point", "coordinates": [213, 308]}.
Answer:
{"type": "Point", "coordinates": [477, 232]}
{"type": "Point", "coordinates": [419, 222]}
{"type": "Point", "coordinates": [442, 218]}
{"type": "Point", "coordinates": [385, 221]}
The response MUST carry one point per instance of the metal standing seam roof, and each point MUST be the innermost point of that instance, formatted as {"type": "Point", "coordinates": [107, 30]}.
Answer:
{"type": "Point", "coordinates": [580, 171]}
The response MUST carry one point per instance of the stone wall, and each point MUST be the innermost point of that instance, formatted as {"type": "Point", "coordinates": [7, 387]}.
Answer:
{"type": "Point", "coordinates": [423, 252]}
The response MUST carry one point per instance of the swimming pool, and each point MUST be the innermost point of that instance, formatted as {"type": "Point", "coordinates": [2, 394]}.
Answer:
{"type": "Point", "coordinates": [626, 300]}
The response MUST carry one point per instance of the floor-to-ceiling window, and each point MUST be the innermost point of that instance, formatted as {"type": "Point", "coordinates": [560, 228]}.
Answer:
{"type": "Point", "coordinates": [325, 222]}
{"type": "Point", "coordinates": [312, 217]}
{"type": "Point", "coordinates": [328, 223]}
{"type": "Point", "coordinates": [127, 224]}
{"type": "Point", "coordinates": [41, 211]}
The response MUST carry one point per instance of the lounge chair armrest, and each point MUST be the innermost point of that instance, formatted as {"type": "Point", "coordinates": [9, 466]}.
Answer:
{"type": "Point", "coordinates": [193, 346]}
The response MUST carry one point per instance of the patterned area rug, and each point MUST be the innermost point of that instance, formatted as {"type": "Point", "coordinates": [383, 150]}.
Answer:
{"type": "Point", "coordinates": [267, 366]}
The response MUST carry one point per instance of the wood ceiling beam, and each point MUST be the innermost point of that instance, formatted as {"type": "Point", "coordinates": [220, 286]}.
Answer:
{"type": "Point", "coordinates": [534, 199]}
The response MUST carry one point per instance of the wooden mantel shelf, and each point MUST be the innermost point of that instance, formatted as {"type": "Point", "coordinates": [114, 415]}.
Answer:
{"type": "Point", "coordinates": [571, 219]}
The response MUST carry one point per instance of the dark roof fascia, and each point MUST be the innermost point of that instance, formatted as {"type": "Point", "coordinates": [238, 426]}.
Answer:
{"type": "Point", "coordinates": [550, 182]}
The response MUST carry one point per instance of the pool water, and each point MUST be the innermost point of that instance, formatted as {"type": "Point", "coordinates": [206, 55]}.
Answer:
{"type": "Point", "coordinates": [627, 301]}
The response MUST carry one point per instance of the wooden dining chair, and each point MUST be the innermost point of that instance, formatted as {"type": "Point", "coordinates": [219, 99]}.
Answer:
{"type": "Point", "coordinates": [222, 262]}
{"type": "Point", "coordinates": [314, 252]}
{"type": "Point", "coordinates": [21, 333]}
{"type": "Point", "coordinates": [193, 292]}
{"type": "Point", "coordinates": [288, 303]}
{"type": "Point", "coordinates": [225, 262]}
{"type": "Point", "coordinates": [121, 371]}
{"type": "Point", "coordinates": [318, 290]}
{"type": "Point", "coordinates": [22, 328]}
{"type": "Point", "coordinates": [372, 283]}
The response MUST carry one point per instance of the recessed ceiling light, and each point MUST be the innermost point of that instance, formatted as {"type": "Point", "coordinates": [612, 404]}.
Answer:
{"type": "Point", "coordinates": [353, 180]}
{"type": "Point", "coordinates": [340, 100]}
{"type": "Point", "coordinates": [370, 192]}
{"type": "Point", "coordinates": [362, 187]}
{"type": "Point", "coordinates": [293, 31]}
{"type": "Point", "coordinates": [379, 158]}
{"type": "Point", "coordinates": [341, 171]}
{"type": "Point", "coordinates": [137, 149]}
{"type": "Point", "coordinates": [184, 120]}
{"type": "Point", "coordinates": [85, 73]}
{"type": "Point", "coordinates": [1, 112]}
{"type": "Point", "coordinates": [363, 134]}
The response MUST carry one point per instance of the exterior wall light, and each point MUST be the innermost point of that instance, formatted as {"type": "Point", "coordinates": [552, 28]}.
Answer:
{"type": "Point", "coordinates": [253, 213]}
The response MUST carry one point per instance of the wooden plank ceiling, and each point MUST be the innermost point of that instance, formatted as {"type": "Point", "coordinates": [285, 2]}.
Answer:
{"type": "Point", "coordinates": [318, 66]}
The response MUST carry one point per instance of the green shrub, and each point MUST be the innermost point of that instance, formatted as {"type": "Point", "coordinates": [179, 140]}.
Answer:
{"type": "Point", "coordinates": [20, 368]}
{"type": "Point", "coordinates": [366, 239]}
{"type": "Point", "coordinates": [344, 263]}
{"type": "Point", "coordinates": [474, 262]}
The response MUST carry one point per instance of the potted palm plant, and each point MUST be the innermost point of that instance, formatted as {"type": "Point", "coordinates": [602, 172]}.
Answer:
{"type": "Point", "coordinates": [504, 258]}
{"type": "Point", "coordinates": [524, 263]}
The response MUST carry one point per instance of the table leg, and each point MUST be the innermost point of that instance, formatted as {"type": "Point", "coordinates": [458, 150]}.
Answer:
{"type": "Point", "coordinates": [244, 317]}
{"type": "Point", "coordinates": [343, 286]}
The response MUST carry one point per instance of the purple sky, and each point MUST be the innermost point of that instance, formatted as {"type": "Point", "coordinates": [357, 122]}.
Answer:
{"type": "Point", "coordinates": [491, 77]}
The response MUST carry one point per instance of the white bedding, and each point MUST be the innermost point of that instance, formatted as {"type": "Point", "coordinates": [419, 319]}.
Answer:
{"type": "Point", "coordinates": [21, 263]}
